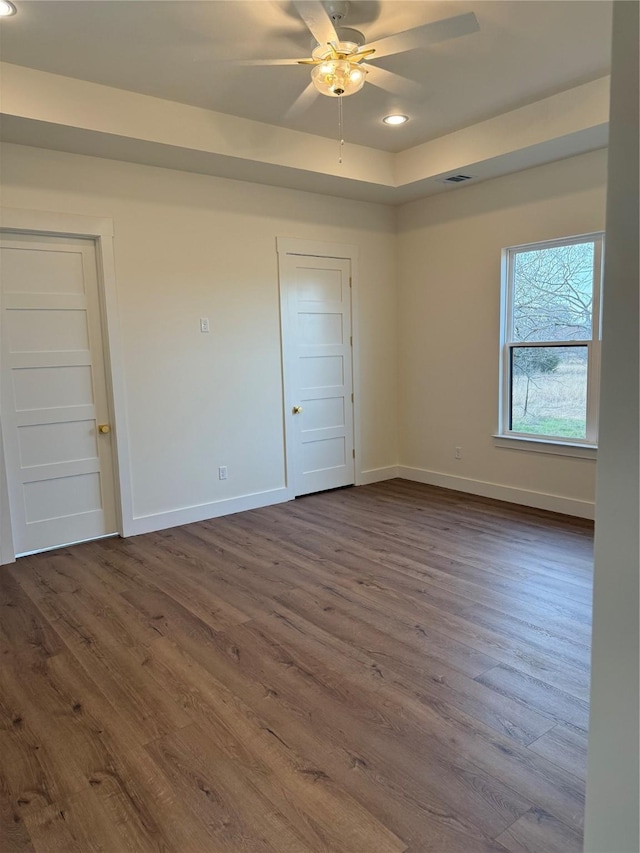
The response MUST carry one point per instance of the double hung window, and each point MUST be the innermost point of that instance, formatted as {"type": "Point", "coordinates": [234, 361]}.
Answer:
{"type": "Point", "coordinates": [551, 340]}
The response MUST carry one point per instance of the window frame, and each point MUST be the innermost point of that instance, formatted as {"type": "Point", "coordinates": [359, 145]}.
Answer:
{"type": "Point", "coordinates": [532, 441]}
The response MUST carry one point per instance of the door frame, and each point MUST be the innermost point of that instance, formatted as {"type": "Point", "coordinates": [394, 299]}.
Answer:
{"type": "Point", "coordinates": [319, 249]}
{"type": "Point", "coordinates": [100, 231]}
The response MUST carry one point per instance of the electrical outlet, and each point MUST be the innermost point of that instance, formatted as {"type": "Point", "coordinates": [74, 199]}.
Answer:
{"type": "Point", "coordinates": [222, 472]}
{"type": "Point", "coordinates": [204, 325]}
{"type": "Point", "coordinates": [458, 453]}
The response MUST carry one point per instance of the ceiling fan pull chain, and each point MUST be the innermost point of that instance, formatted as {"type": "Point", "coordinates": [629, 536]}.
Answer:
{"type": "Point", "coordinates": [340, 131]}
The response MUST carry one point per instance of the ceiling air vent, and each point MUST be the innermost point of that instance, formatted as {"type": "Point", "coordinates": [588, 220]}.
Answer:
{"type": "Point", "coordinates": [457, 179]}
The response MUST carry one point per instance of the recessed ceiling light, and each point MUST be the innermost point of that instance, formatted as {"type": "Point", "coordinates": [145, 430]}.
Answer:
{"type": "Point", "coordinates": [7, 9]}
{"type": "Point", "coordinates": [395, 119]}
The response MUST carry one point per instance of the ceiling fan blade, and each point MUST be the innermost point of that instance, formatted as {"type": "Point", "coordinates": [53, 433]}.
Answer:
{"type": "Point", "coordinates": [267, 61]}
{"type": "Point", "coordinates": [437, 31]}
{"type": "Point", "coordinates": [317, 20]}
{"type": "Point", "coordinates": [390, 82]}
{"type": "Point", "coordinates": [250, 62]}
{"type": "Point", "coordinates": [302, 102]}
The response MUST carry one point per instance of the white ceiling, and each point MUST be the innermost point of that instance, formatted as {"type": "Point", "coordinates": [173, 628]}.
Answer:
{"type": "Point", "coordinates": [524, 51]}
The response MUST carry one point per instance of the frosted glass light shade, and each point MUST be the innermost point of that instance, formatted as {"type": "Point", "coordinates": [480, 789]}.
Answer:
{"type": "Point", "coordinates": [338, 77]}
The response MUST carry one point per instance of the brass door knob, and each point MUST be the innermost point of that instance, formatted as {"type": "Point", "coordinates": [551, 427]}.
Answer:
{"type": "Point", "coordinates": [296, 410]}
{"type": "Point", "coordinates": [104, 428]}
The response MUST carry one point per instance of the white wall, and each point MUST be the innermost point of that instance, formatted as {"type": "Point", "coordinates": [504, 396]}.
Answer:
{"type": "Point", "coordinates": [449, 250]}
{"type": "Point", "coordinates": [611, 823]}
{"type": "Point", "coordinates": [188, 246]}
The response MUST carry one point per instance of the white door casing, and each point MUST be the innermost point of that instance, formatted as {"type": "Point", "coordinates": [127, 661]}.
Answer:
{"type": "Point", "coordinates": [59, 468]}
{"type": "Point", "coordinates": [315, 296]}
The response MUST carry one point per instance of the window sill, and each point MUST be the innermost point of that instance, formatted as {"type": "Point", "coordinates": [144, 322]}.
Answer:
{"type": "Point", "coordinates": [547, 445]}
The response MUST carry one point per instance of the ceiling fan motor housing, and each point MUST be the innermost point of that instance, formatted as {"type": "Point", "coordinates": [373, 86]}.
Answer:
{"type": "Point", "coordinates": [350, 41]}
{"type": "Point", "coordinates": [337, 10]}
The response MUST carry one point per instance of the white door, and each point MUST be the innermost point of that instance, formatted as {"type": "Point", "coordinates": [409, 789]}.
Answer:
{"type": "Point", "coordinates": [53, 395]}
{"type": "Point", "coordinates": [317, 347]}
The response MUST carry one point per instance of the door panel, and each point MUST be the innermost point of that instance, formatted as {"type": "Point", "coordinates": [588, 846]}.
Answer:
{"type": "Point", "coordinates": [52, 443]}
{"type": "Point", "coordinates": [44, 271]}
{"type": "Point", "coordinates": [53, 386]}
{"type": "Point", "coordinates": [59, 468]}
{"type": "Point", "coordinates": [37, 330]}
{"type": "Point", "coordinates": [316, 306]}
{"type": "Point", "coordinates": [324, 413]}
{"type": "Point", "coordinates": [321, 371]}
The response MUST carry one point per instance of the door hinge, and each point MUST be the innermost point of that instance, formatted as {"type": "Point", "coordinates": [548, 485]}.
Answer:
{"type": "Point", "coordinates": [353, 453]}
{"type": "Point", "coordinates": [351, 340]}
{"type": "Point", "coordinates": [352, 400]}
{"type": "Point", "coordinates": [350, 282]}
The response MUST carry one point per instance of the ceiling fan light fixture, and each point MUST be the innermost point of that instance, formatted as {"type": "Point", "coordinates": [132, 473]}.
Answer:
{"type": "Point", "coordinates": [395, 119]}
{"type": "Point", "coordinates": [7, 9]}
{"type": "Point", "coordinates": [338, 78]}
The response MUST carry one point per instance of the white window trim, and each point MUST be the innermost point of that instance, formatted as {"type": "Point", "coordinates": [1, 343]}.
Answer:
{"type": "Point", "coordinates": [581, 448]}
{"type": "Point", "coordinates": [552, 446]}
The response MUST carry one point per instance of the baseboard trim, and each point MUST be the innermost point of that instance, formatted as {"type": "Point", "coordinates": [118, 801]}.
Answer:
{"type": "Point", "coordinates": [511, 494]}
{"type": "Point", "coordinates": [525, 497]}
{"type": "Point", "coordinates": [376, 475]}
{"type": "Point", "coordinates": [201, 512]}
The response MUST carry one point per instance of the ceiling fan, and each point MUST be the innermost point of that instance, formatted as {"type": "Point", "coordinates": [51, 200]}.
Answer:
{"type": "Point", "coordinates": [340, 60]}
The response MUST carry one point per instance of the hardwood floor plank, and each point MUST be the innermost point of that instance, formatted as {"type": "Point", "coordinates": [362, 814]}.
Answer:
{"type": "Point", "coordinates": [418, 540]}
{"type": "Point", "coordinates": [116, 659]}
{"type": "Point", "coordinates": [106, 750]}
{"type": "Point", "coordinates": [162, 571]}
{"type": "Point", "coordinates": [86, 822]}
{"type": "Point", "coordinates": [43, 574]}
{"type": "Point", "coordinates": [279, 713]}
{"type": "Point", "coordinates": [418, 634]}
{"type": "Point", "coordinates": [96, 750]}
{"type": "Point", "coordinates": [51, 831]}
{"type": "Point", "coordinates": [24, 631]}
{"type": "Point", "coordinates": [234, 806]}
{"type": "Point", "coordinates": [565, 747]}
{"type": "Point", "coordinates": [239, 572]}
{"type": "Point", "coordinates": [413, 672]}
{"type": "Point", "coordinates": [14, 835]}
{"type": "Point", "coordinates": [238, 738]}
{"type": "Point", "coordinates": [434, 729]}
{"type": "Point", "coordinates": [383, 732]}
{"type": "Point", "coordinates": [567, 600]}
{"type": "Point", "coordinates": [22, 777]}
{"type": "Point", "coordinates": [36, 766]}
{"type": "Point", "coordinates": [540, 832]}
{"type": "Point", "coordinates": [455, 581]}
{"type": "Point", "coordinates": [492, 644]}
{"type": "Point", "coordinates": [202, 569]}
{"type": "Point", "coordinates": [464, 533]}
{"type": "Point", "coordinates": [537, 694]}
{"type": "Point", "coordinates": [277, 679]}
{"type": "Point", "coordinates": [486, 513]}
{"type": "Point", "coordinates": [549, 620]}
{"type": "Point", "coordinates": [385, 668]}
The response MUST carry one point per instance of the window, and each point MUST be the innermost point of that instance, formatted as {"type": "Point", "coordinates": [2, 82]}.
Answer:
{"type": "Point", "coordinates": [551, 341]}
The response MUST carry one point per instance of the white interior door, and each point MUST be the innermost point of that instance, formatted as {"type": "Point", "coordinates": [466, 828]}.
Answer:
{"type": "Point", "coordinates": [317, 346]}
{"type": "Point", "coordinates": [54, 396]}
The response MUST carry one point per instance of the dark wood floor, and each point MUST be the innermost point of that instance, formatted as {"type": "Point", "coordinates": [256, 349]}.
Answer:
{"type": "Point", "coordinates": [382, 669]}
